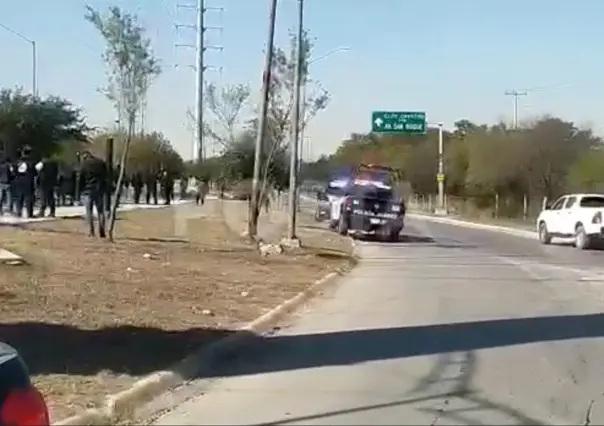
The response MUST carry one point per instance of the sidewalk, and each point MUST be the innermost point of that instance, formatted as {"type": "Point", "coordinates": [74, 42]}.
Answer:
{"type": "Point", "coordinates": [64, 212]}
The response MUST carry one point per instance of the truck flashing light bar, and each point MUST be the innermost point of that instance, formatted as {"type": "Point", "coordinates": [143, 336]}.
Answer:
{"type": "Point", "coordinates": [339, 183]}
{"type": "Point", "coordinates": [366, 182]}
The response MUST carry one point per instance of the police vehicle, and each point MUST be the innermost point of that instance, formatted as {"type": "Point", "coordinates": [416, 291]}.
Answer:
{"type": "Point", "coordinates": [365, 203]}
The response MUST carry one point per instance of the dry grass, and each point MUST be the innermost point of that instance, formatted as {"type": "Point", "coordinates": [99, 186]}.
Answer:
{"type": "Point", "coordinates": [90, 316]}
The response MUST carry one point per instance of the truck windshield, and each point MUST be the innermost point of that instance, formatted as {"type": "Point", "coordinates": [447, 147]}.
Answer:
{"type": "Point", "coordinates": [592, 201]}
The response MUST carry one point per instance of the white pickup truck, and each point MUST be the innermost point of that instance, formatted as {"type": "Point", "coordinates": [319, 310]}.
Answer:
{"type": "Point", "coordinates": [577, 216]}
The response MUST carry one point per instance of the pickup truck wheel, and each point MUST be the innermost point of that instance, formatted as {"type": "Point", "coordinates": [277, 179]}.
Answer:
{"type": "Point", "coordinates": [544, 235]}
{"type": "Point", "coordinates": [582, 241]}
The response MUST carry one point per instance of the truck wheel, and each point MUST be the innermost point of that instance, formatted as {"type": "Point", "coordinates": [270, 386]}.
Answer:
{"type": "Point", "coordinates": [544, 235]}
{"type": "Point", "coordinates": [582, 241]}
{"type": "Point", "coordinates": [394, 235]}
{"type": "Point", "coordinates": [333, 224]}
{"type": "Point", "coordinates": [342, 226]}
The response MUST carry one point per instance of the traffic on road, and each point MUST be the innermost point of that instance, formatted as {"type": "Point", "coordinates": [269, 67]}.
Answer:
{"type": "Point", "coordinates": [449, 326]}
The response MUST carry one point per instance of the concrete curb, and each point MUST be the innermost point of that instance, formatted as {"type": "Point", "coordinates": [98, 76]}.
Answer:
{"type": "Point", "coordinates": [122, 406]}
{"type": "Point", "coordinates": [10, 257]}
{"type": "Point", "coordinates": [474, 225]}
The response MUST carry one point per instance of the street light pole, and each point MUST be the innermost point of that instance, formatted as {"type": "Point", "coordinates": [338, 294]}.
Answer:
{"type": "Point", "coordinates": [34, 70]}
{"type": "Point", "coordinates": [34, 62]}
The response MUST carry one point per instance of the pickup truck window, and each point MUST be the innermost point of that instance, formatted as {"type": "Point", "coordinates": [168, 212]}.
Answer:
{"type": "Point", "coordinates": [592, 201]}
{"type": "Point", "coordinates": [570, 202]}
{"type": "Point", "coordinates": [558, 204]}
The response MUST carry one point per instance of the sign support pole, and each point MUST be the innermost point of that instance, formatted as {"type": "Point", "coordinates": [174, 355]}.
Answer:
{"type": "Point", "coordinates": [440, 174]}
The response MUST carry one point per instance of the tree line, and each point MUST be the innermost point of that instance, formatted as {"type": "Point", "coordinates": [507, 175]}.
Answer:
{"type": "Point", "coordinates": [489, 166]}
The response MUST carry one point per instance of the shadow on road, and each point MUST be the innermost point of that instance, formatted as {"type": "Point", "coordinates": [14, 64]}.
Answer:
{"type": "Point", "coordinates": [51, 348]}
{"type": "Point", "coordinates": [290, 352]}
{"type": "Point", "coordinates": [136, 351]}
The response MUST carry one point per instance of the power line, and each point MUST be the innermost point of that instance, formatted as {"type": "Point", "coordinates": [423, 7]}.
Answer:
{"type": "Point", "coordinates": [515, 94]}
{"type": "Point", "coordinates": [200, 66]}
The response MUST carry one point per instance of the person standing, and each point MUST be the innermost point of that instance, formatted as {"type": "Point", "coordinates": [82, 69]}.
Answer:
{"type": "Point", "coordinates": [197, 184]}
{"type": "Point", "coordinates": [24, 183]}
{"type": "Point", "coordinates": [167, 185]}
{"type": "Point", "coordinates": [184, 186]}
{"type": "Point", "coordinates": [48, 176]}
{"type": "Point", "coordinates": [151, 186]}
{"type": "Point", "coordinates": [94, 184]}
{"type": "Point", "coordinates": [6, 181]}
{"type": "Point", "coordinates": [137, 186]}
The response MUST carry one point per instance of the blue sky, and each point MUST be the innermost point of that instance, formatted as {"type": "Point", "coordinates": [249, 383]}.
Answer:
{"type": "Point", "coordinates": [451, 59]}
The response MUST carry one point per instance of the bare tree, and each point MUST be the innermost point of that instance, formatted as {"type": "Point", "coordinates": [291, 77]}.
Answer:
{"type": "Point", "coordinates": [131, 68]}
{"type": "Point", "coordinates": [281, 103]}
{"type": "Point", "coordinates": [226, 105]}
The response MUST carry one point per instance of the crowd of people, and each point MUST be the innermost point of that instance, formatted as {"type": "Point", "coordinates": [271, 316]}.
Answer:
{"type": "Point", "coordinates": [25, 183]}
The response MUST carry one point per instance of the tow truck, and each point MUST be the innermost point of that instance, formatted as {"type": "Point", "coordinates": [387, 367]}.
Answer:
{"type": "Point", "coordinates": [369, 205]}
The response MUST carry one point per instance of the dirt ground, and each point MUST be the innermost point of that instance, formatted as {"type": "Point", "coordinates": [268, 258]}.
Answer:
{"type": "Point", "coordinates": [90, 317]}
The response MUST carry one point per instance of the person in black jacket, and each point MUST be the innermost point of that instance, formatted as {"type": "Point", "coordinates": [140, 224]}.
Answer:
{"type": "Point", "coordinates": [48, 177]}
{"type": "Point", "coordinates": [151, 186]}
{"type": "Point", "coordinates": [24, 183]}
{"type": "Point", "coordinates": [167, 186]}
{"type": "Point", "coordinates": [94, 185]}
{"type": "Point", "coordinates": [6, 181]}
{"type": "Point", "coordinates": [137, 185]}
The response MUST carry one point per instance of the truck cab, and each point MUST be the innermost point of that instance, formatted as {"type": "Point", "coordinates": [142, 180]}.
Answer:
{"type": "Point", "coordinates": [577, 216]}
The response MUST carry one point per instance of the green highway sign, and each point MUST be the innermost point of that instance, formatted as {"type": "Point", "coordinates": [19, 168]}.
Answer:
{"type": "Point", "coordinates": [398, 122]}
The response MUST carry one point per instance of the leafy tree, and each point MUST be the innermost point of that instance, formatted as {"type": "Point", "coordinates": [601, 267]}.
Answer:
{"type": "Point", "coordinates": [131, 67]}
{"type": "Point", "coordinates": [587, 173]}
{"type": "Point", "coordinates": [51, 126]}
{"type": "Point", "coordinates": [148, 152]}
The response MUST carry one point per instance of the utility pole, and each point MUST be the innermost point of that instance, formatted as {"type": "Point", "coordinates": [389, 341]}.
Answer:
{"type": "Point", "coordinates": [295, 120]}
{"type": "Point", "coordinates": [200, 67]}
{"type": "Point", "coordinates": [302, 119]}
{"type": "Point", "coordinates": [266, 80]}
{"type": "Point", "coordinates": [516, 94]}
{"type": "Point", "coordinates": [199, 51]}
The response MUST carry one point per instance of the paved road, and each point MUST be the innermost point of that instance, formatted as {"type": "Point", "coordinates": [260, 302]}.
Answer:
{"type": "Point", "coordinates": [450, 327]}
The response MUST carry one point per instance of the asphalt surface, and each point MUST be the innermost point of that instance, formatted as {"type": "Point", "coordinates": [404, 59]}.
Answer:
{"type": "Point", "coordinates": [451, 326]}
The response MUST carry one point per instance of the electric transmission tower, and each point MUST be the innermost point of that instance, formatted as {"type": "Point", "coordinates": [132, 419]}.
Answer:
{"type": "Point", "coordinates": [200, 66]}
